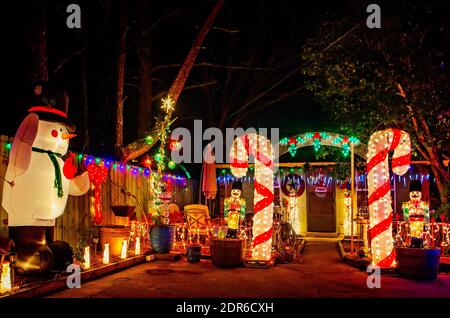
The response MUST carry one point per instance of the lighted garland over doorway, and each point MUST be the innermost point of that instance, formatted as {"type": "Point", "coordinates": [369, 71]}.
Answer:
{"type": "Point", "coordinates": [318, 139]}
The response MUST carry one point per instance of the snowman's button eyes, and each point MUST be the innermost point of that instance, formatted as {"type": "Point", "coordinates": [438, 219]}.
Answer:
{"type": "Point", "coordinates": [54, 133]}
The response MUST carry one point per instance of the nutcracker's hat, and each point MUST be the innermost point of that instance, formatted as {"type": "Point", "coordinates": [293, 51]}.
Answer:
{"type": "Point", "coordinates": [415, 185]}
{"type": "Point", "coordinates": [50, 104]}
{"type": "Point", "coordinates": [237, 185]}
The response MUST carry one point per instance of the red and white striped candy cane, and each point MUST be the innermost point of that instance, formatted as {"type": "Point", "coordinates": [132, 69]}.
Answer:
{"type": "Point", "coordinates": [261, 148]}
{"type": "Point", "coordinates": [380, 232]}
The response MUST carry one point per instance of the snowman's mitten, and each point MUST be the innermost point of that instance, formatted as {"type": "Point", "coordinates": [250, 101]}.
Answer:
{"type": "Point", "coordinates": [79, 185]}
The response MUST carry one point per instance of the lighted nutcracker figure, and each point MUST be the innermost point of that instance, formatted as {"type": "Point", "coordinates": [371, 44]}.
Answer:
{"type": "Point", "coordinates": [234, 210]}
{"type": "Point", "coordinates": [415, 211]}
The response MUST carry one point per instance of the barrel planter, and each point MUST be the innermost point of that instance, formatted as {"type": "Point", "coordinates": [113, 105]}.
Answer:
{"type": "Point", "coordinates": [114, 235]}
{"type": "Point", "coordinates": [193, 252]}
{"type": "Point", "coordinates": [162, 238]}
{"type": "Point", "coordinates": [227, 252]}
{"type": "Point", "coordinates": [418, 262]}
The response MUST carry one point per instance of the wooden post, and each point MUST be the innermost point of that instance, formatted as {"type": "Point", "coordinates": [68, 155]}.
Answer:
{"type": "Point", "coordinates": [352, 148]}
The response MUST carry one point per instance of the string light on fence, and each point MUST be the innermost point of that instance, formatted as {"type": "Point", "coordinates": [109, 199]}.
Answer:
{"type": "Point", "coordinates": [133, 170]}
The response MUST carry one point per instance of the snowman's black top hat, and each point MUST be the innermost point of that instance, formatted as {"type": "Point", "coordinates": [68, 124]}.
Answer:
{"type": "Point", "coordinates": [237, 185]}
{"type": "Point", "coordinates": [415, 185]}
{"type": "Point", "coordinates": [51, 104]}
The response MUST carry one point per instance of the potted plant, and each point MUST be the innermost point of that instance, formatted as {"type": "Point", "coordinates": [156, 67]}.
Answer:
{"type": "Point", "coordinates": [162, 233]}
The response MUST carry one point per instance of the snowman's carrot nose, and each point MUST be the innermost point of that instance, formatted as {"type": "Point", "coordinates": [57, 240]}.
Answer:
{"type": "Point", "coordinates": [68, 136]}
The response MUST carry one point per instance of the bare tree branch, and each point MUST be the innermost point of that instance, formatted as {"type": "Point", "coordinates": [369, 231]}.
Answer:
{"type": "Point", "coordinates": [221, 29]}
{"type": "Point", "coordinates": [205, 64]}
{"type": "Point", "coordinates": [265, 105]}
{"type": "Point", "coordinates": [67, 59]}
{"type": "Point", "coordinates": [164, 93]}
{"type": "Point", "coordinates": [290, 74]}
{"type": "Point", "coordinates": [169, 15]}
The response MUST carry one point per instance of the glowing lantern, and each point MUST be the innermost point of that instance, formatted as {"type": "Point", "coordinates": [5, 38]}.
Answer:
{"type": "Point", "coordinates": [137, 248]}
{"type": "Point", "coordinates": [106, 254]}
{"type": "Point", "coordinates": [5, 285]}
{"type": "Point", "coordinates": [87, 257]}
{"type": "Point", "coordinates": [123, 254]}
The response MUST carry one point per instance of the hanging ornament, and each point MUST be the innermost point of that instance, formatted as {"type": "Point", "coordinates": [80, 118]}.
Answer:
{"type": "Point", "coordinates": [171, 164]}
{"type": "Point", "coordinates": [174, 145]}
{"type": "Point", "coordinates": [158, 157]}
{"type": "Point", "coordinates": [147, 162]}
{"type": "Point", "coordinates": [149, 140]}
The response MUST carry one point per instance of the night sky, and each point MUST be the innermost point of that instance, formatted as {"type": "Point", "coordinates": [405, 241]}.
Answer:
{"type": "Point", "coordinates": [270, 28]}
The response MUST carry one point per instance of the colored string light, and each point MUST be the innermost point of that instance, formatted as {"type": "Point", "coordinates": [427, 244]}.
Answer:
{"type": "Point", "coordinates": [318, 139]}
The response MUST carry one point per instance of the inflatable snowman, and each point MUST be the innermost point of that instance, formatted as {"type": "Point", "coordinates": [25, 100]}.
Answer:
{"type": "Point", "coordinates": [38, 184]}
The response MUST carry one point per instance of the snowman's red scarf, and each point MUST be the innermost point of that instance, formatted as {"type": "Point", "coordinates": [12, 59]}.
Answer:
{"type": "Point", "coordinates": [58, 179]}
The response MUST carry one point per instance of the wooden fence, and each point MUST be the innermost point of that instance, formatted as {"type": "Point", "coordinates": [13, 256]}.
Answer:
{"type": "Point", "coordinates": [77, 222]}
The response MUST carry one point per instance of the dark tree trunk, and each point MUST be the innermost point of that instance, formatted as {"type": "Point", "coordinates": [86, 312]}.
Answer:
{"type": "Point", "coordinates": [39, 41]}
{"type": "Point", "coordinates": [120, 62]}
{"type": "Point", "coordinates": [140, 146]}
{"type": "Point", "coordinates": [144, 115]}
{"type": "Point", "coordinates": [84, 105]}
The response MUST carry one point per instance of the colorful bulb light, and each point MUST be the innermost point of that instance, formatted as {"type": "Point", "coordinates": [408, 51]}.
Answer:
{"type": "Point", "coordinates": [171, 164]}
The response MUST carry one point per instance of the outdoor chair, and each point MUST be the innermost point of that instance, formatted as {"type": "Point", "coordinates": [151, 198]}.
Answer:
{"type": "Point", "coordinates": [198, 220]}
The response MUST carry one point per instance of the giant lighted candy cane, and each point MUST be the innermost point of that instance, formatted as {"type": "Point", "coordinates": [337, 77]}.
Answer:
{"type": "Point", "coordinates": [380, 232]}
{"type": "Point", "coordinates": [261, 148]}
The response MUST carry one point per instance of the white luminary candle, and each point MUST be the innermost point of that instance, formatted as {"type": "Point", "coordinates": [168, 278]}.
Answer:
{"type": "Point", "coordinates": [123, 255]}
{"type": "Point", "coordinates": [137, 248]}
{"type": "Point", "coordinates": [87, 257]}
{"type": "Point", "coordinates": [106, 254]}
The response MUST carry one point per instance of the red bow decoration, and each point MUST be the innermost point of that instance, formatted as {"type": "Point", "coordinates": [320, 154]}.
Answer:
{"type": "Point", "coordinates": [97, 175]}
